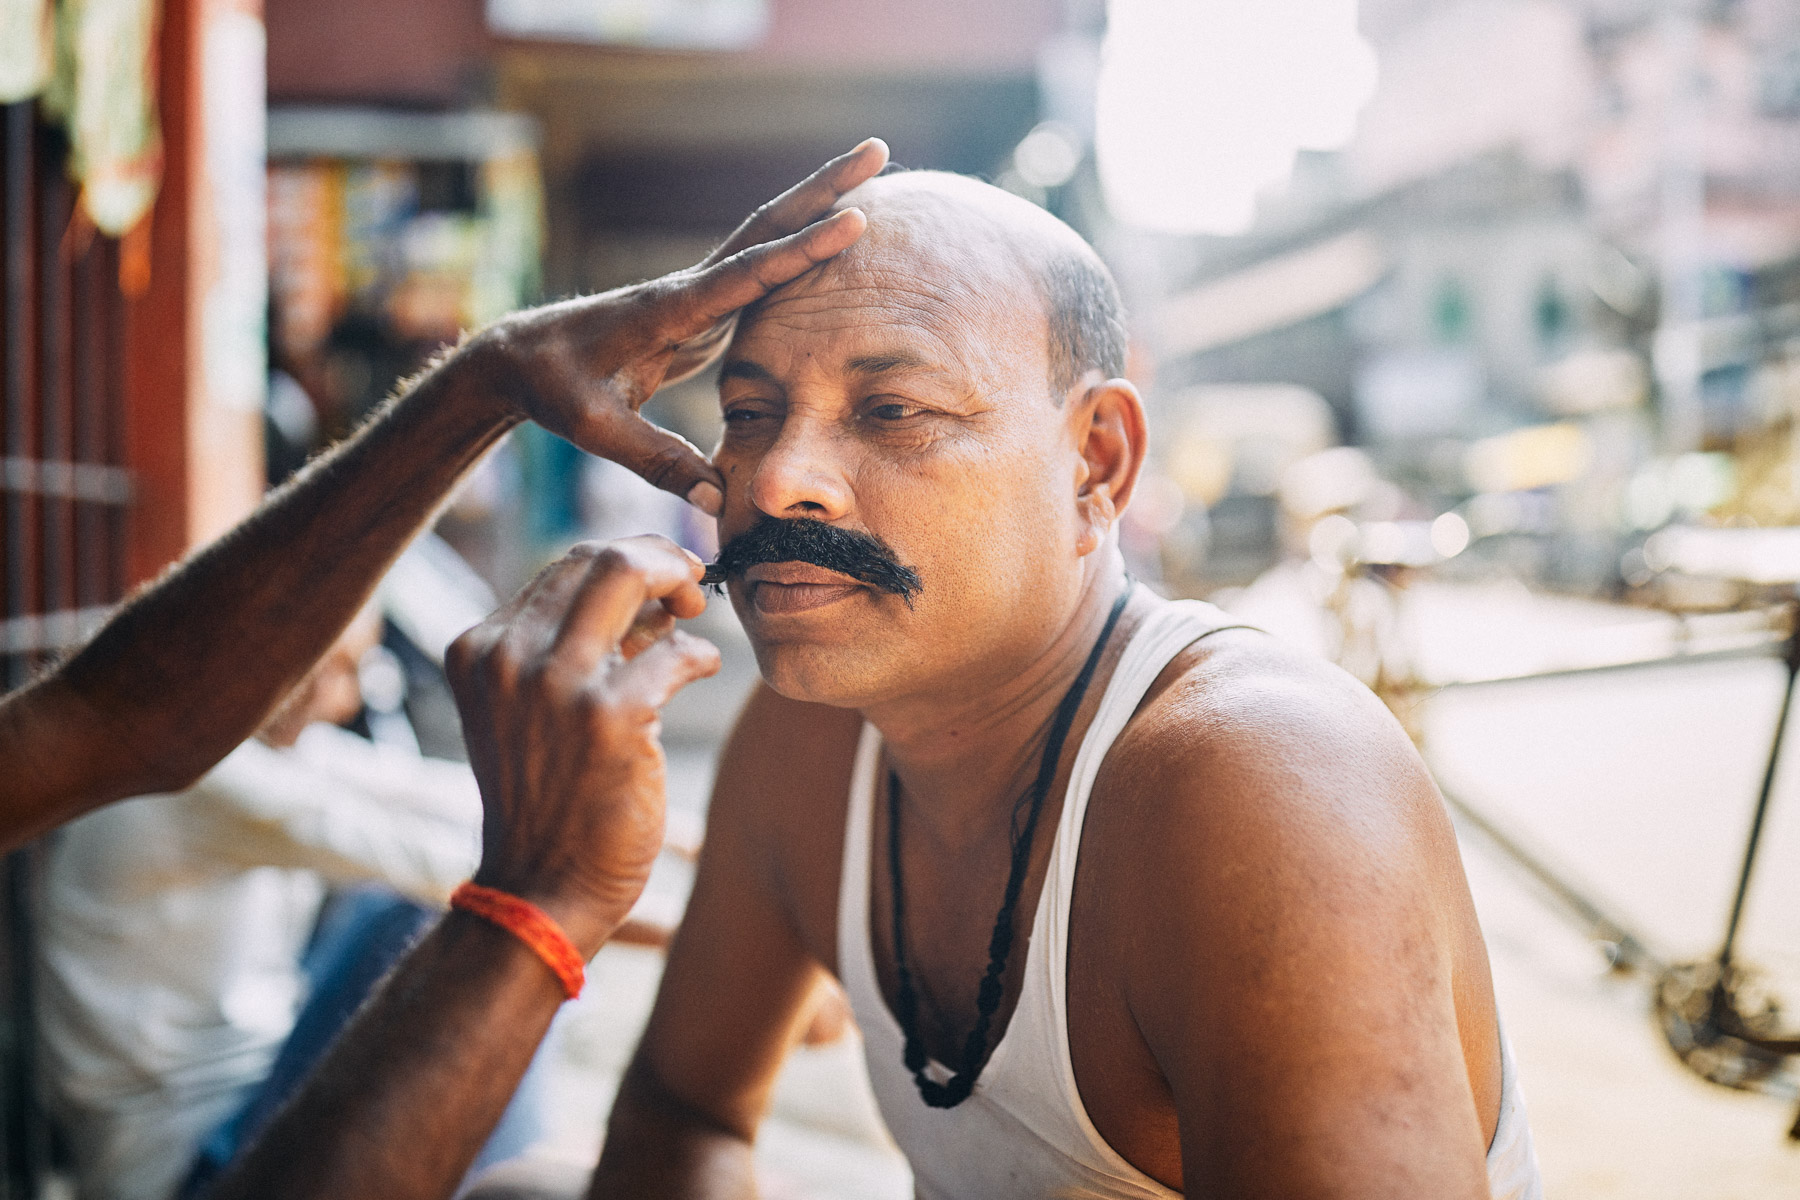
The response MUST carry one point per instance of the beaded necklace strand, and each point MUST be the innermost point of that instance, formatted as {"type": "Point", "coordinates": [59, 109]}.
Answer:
{"type": "Point", "coordinates": [957, 1088]}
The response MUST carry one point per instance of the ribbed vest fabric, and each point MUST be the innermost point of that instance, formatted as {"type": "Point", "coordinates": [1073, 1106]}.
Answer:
{"type": "Point", "coordinates": [1024, 1132]}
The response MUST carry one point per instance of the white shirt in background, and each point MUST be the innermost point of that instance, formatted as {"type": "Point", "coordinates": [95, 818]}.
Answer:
{"type": "Point", "coordinates": [170, 931]}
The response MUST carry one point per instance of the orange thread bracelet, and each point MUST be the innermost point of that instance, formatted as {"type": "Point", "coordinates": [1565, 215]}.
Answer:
{"type": "Point", "coordinates": [531, 925]}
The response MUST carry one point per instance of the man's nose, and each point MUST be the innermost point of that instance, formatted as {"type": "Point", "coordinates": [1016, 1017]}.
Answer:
{"type": "Point", "coordinates": [803, 473]}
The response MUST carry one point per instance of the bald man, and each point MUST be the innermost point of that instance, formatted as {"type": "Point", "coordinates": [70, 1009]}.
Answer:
{"type": "Point", "coordinates": [1128, 901]}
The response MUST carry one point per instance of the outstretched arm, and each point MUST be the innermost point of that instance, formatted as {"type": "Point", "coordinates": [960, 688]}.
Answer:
{"type": "Point", "coordinates": [560, 694]}
{"type": "Point", "coordinates": [191, 665]}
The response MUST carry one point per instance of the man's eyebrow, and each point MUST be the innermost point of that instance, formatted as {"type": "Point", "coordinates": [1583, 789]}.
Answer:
{"type": "Point", "coordinates": [743, 368]}
{"type": "Point", "coordinates": [880, 364]}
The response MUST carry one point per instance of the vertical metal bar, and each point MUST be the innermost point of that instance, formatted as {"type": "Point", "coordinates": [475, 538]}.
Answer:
{"type": "Point", "coordinates": [116, 419]}
{"type": "Point", "coordinates": [20, 1126]}
{"type": "Point", "coordinates": [18, 288]}
{"type": "Point", "coordinates": [13, 1122]}
{"type": "Point", "coordinates": [57, 512]}
{"type": "Point", "coordinates": [87, 377]}
{"type": "Point", "coordinates": [1762, 800]}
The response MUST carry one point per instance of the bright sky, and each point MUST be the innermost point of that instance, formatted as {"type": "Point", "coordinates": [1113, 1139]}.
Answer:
{"type": "Point", "coordinates": [1203, 103]}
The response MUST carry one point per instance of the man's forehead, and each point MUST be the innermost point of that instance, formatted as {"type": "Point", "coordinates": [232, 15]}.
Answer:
{"type": "Point", "coordinates": [932, 279]}
{"type": "Point", "coordinates": [893, 327]}
{"type": "Point", "coordinates": [779, 346]}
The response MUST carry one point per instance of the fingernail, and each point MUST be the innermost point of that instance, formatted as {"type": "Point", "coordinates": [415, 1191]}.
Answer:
{"type": "Point", "coordinates": [692, 557]}
{"type": "Point", "coordinates": [707, 498]}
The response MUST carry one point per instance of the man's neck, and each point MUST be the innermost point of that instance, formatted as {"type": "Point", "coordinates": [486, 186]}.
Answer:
{"type": "Point", "coordinates": [963, 758]}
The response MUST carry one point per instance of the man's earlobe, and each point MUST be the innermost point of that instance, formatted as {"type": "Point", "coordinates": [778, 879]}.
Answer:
{"type": "Point", "coordinates": [1098, 513]}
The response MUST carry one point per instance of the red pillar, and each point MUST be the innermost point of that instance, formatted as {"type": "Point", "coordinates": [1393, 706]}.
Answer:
{"type": "Point", "coordinates": [197, 459]}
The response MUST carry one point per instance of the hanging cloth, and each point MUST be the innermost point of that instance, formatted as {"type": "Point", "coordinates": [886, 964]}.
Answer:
{"type": "Point", "coordinates": [104, 89]}
{"type": "Point", "coordinates": [24, 49]}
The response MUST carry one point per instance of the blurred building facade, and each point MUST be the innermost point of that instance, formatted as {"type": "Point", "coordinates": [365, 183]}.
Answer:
{"type": "Point", "coordinates": [1581, 212]}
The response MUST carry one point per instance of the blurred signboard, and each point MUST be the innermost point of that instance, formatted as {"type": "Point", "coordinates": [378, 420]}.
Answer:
{"type": "Point", "coordinates": [682, 24]}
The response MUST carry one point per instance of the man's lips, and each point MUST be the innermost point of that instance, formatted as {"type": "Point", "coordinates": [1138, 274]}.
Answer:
{"type": "Point", "coordinates": [792, 587]}
{"type": "Point", "coordinates": [798, 573]}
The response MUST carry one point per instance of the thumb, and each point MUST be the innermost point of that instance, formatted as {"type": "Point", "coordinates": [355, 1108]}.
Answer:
{"type": "Point", "coordinates": [665, 459]}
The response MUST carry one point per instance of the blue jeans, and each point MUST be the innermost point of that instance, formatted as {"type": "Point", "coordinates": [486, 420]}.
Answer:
{"type": "Point", "coordinates": [362, 932]}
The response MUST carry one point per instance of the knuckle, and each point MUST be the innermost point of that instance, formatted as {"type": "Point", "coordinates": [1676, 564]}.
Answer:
{"type": "Point", "coordinates": [459, 658]}
{"type": "Point", "coordinates": [586, 552]}
{"type": "Point", "coordinates": [663, 466]}
{"type": "Point", "coordinates": [502, 668]}
{"type": "Point", "coordinates": [610, 558]}
{"type": "Point", "coordinates": [465, 657]}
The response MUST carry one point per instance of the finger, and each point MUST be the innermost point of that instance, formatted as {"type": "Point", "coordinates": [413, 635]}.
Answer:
{"type": "Point", "coordinates": [622, 576]}
{"type": "Point", "coordinates": [653, 677]}
{"type": "Point", "coordinates": [653, 621]}
{"type": "Point", "coordinates": [749, 275]}
{"type": "Point", "coordinates": [806, 201]}
{"type": "Point", "coordinates": [666, 459]}
{"type": "Point", "coordinates": [532, 614]}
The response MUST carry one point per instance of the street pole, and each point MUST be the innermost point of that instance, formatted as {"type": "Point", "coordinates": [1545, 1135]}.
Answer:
{"type": "Point", "coordinates": [1677, 352]}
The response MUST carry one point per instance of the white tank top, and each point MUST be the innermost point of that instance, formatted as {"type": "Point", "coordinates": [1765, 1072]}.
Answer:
{"type": "Point", "coordinates": [1023, 1131]}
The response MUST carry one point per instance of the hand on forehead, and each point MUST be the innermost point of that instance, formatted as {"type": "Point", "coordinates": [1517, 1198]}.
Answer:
{"type": "Point", "coordinates": [950, 269]}
{"type": "Point", "coordinates": [966, 263]}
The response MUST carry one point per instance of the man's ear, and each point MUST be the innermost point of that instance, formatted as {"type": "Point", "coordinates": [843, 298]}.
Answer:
{"type": "Point", "coordinates": [1112, 438]}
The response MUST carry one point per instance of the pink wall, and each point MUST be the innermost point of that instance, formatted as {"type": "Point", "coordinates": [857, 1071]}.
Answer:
{"type": "Point", "coordinates": [430, 51]}
{"type": "Point", "coordinates": [909, 33]}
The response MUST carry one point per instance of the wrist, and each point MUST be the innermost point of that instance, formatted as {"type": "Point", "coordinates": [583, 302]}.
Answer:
{"type": "Point", "coordinates": [531, 925]}
{"type": "Point", "coordinates": [492, 371]}
{"type": "Point", "coordinates": [483, 948]}
{"type": "Point", "coordinates": [474, 386]}
{"type": "Point", "coordinates": [585, 917]}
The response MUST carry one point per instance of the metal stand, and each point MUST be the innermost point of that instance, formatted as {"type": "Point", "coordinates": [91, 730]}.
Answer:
{"type": "Point", "coordinates": [1720, 1016]}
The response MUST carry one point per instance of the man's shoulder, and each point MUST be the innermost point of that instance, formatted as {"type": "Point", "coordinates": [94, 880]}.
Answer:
{"type": "Point", "coordinates": [1235, 686]}
{"type": "Point", "coordinates": [1241, 732]}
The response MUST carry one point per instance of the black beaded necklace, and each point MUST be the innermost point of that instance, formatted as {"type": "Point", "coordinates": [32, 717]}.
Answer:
{"type": "Point", "coordinates": [956, 1089]}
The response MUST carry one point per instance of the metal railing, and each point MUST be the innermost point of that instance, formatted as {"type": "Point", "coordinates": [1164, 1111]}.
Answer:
{"type": "Point", "coordinates": [64, 497]}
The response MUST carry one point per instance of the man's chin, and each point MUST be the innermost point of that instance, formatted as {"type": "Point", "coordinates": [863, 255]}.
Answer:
{"type": "Point", "coordinates": [839, 676]}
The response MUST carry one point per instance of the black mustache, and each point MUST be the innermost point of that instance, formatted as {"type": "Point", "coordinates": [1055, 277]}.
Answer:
{"type": "Point", "coordinates": [861, 556]}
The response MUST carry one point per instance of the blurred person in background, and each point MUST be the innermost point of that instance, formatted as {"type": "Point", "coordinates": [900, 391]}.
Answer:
{"type": "Point", "coordinates": [1129, 901]}
{"type": "Point", "coordinates": [194, 959]}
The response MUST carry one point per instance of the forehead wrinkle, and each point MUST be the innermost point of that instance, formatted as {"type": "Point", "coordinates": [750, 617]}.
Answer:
{"type": "Point", "coordinates": [967, 332]}
{"type": "Point", "coordinates": [922, 340]}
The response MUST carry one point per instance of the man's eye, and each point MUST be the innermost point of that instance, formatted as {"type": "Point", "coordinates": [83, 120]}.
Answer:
{"type": "Point", "coordinates": [893, 411]}
{"type": "Point", "coordinates": [741, 416]}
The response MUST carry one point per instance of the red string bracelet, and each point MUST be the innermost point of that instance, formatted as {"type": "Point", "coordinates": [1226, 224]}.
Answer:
{"type": "Point", "coordinates": [531, 925]}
